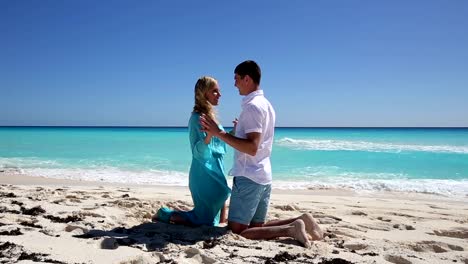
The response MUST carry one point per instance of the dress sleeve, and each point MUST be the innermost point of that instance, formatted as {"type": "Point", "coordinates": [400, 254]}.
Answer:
{"type": "Point", "coordinates": [217, 145]}
{"type": "Point", "coordinates": [200, 150]}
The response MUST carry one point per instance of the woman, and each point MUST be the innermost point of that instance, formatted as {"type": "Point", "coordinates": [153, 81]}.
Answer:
{"type": "Point", "coordinates": [207, 182]}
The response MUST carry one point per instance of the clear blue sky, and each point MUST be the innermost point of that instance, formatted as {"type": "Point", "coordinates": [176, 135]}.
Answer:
{"type": "Point", "coordinates": [324, 63]}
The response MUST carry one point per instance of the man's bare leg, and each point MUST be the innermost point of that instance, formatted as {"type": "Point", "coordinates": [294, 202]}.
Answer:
{"type": "Point", "coordinates": [295, 229]}
{"type": "Point", "coordinates": [311, 225]}
{"type": "Point", "coordinates": [223, 215]}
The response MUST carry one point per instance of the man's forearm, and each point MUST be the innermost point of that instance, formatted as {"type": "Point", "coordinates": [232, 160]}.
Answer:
{"type": "Point", "coordinates": [244, 145]}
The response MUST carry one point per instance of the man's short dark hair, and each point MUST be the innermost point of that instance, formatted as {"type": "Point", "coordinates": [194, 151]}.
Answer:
{"type": "Point", "coordinates": [250, 68]}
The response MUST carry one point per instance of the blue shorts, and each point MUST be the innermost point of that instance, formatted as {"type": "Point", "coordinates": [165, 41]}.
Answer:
{"type": "Point", "coordinates": [249, 201]}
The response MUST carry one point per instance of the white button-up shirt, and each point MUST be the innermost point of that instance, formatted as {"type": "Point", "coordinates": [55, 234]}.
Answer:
{"type": "Point", "coordinates": [258, 116]}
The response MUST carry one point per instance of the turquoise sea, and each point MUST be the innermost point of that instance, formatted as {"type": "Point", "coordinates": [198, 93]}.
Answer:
{"type": "Point", "coordinates": [433, 160]}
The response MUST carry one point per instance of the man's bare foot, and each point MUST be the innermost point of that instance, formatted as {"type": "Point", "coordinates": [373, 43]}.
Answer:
{"type": "Point", "coordinates": [312, 227]}
{"type": "Point", "coordinates": [299, 233]}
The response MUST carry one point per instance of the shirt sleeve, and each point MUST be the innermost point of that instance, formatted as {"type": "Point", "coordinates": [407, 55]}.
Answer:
{"type": "Point", "coordinates": [254, 120]}
{"type": "Point", "coordinates": [200, 150]}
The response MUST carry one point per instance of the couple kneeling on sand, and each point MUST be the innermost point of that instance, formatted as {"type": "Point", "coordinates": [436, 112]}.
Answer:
{"type": "Point", "coordinates": [252, 139]}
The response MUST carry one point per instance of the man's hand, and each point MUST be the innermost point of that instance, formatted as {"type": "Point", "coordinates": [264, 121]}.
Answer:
{"type": "Point", "coordinates": [209, 126]}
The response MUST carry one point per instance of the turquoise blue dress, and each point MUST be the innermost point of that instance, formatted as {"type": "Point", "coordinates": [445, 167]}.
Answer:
{"type": "Point", "coordinates": [207, 180]}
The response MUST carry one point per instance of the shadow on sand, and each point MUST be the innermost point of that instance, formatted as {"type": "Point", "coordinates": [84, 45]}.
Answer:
{"type": "Point", "coordinates": [155, 236]}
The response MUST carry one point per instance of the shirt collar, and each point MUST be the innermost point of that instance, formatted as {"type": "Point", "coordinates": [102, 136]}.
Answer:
{"type": "Point", "coordinates": [251, 95]}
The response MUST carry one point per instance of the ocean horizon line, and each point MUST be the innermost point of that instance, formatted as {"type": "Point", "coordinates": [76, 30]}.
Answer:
{"type": "Point", "coordinates": [289, 127]}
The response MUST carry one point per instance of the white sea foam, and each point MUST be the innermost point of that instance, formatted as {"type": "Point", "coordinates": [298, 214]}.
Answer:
{"type": "Point", "coordinates": [173, 178]}
{"type": "Point", "coordinates": [305, 178]}
{"type": "Point", "coordinates": [324, 172]}
{"type": "Point", "coordinates": [31, 162]}
{"type": "Point", "coordinates": [113, 175]}
{"type": "Point", "coordinates": [337, 145]}
{"type": "Point", "coordinates": [442, 187]}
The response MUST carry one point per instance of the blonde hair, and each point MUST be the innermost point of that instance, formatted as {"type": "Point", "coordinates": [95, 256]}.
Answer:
{"type": "Point", "coordinates": [202, 106]}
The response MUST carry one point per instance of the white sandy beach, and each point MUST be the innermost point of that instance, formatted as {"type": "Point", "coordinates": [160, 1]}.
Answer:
{"type": "Point", "coordinates": [60, 221]}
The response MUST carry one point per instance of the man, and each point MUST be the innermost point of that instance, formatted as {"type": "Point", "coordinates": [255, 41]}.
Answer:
{"type": "Point", "coordinates": [253, 141]}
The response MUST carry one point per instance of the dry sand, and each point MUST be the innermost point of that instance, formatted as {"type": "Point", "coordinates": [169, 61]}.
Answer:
{"type": "Point", "coordinates": [59, 221]}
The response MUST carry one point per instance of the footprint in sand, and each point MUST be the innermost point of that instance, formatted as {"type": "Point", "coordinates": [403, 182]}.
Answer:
{"type": "Point", "coordinates": [30, 223]}
{"type": "Point", "coordinates": [69, 218]}
{"type": "Point", "coordinates": [397, 259]}
{"type": "Point", "coordinates": [7, 195]}
{"type": "Point", "coordinates": [377, 226]}
{"type": "Point", "coordinates": [10, 231]}
{"type": "Point", "coordinates": [406, 215]}
{"type": "Point", "coordinates": [344, 233]}
{"type": "Point", "coordinates": [436, 207]}
{"type": "Point", "coordinates": [384, 219]}
{"type": "Point", "coordinates": [321, 216]}
{"type": "Point", "coordinates": [358, 213]}
{"type": "Point", "coordinates": [12, 253]}
{"type": "Point", "coordinates": [144, 260]}
{"type": "Point", "coordinates": [355, 206]}
{"type": "Point", "coordinates": [462, 221]}
{"type": "Point", "coordinates": [287, 207]}
{"type": "Point", "coordinates": [353, 227]}
{"type": "Point", "coordinates": [75, 200]}
{"type": "Point", "coordinates": [352, 245]}
{"type": "Point", "coordinates": [459, 232]}
{"type": "Point", "coordinates": [77, 230]}
{"type": "Point", "coordinates": [326, 221]}
{"type": "Point", "coordinates": [17, 203]}
{"type": "Point", "coordinates": [197, 256]}
{"type": "Point", "coordinates": [34, 211]}
{"type": "Point", "coordinates": [59, 201]}
{"type": "Point", "coordinates": [124, 203]}
{"type": "Point", "coordinates": [434, 246]}
{"type": "Point", "coordinates": [49, 232]}
{"type": "Point", "coordinates": [83, 214]}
